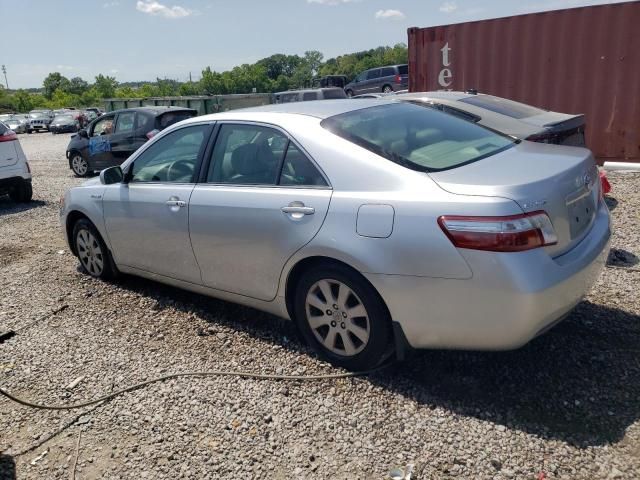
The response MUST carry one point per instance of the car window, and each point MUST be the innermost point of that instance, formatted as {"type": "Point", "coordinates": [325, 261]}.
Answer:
{"type": "Point", "coordinates": [362, 77]}
{"type": "Point", "coordinates": [469, 117]}
{"type": "Point", "coordinates": [104, 126]}
{"type": "Point", "coordinates": [502, 105]}
{"type": "Point", "coordinates": [418, 138]}
{"type": "Point", "coordinates": [247, 154]}
{"type": "Point", "coordinates": [297, 169]}
{"type": "Point", "coordinates": [403, 69]}
{"type": "Point", "coordinates": [169, 118]}
{"type": "Point", "coordinates": [144, 119]}
{"type": "Point", "coordinates": [373, 74]}
{"type": "Point", "coordinates": [332, 93]}
{"type": "Point", "coordinates": [3, 129]}
{"type": "Point", "coordinates": [125, 122]}
{"type": "Point", "coordinates": [173, 158]}
{"type": "Point", "coordinates": [306, 96]}
{"type": "Point", "coordinates": [387, 72]}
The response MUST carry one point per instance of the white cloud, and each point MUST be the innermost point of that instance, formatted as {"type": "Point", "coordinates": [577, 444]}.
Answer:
{"type": "Point", "coordinates": [331, 2]}
{"type": "Point", "coordinates": [113, 70]}
{"type": "Point", "coordinates": [154, 8]}
{"type": "Point", "coordinates": [558, 4]}
{"type": "Point", "coordinates": [65, 67]}
{"type": "Point", "coordinates": [448, 7]}
{"type": "Point", "coordinates": [110, 4]}
{"type": "Point", "coordinates": [390, 14]}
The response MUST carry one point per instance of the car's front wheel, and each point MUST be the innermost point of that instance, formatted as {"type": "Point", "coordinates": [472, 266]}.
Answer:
{"type": "Point", "coordinates": [342, 317]}
{"type": "Point", "coordinates": [91, 250]}
{"type": "Point", "coordinates": [79, 165]}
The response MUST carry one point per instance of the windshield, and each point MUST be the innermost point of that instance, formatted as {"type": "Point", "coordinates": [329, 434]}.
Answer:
{"type": "Point", "coordinates": [416, 137]}
{"type": "Point", "coordinates": [37, 114]}
{"type": "Point", "coordinates": [503, 106]}
{"type": "Point", "coordinates": [63, 118]}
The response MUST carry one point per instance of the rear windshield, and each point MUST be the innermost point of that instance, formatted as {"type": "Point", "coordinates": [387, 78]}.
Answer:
{"type": "Point", "coordinates": [403, 69]}
{"type": "Point", "coordinates": [170, 118]}
{"type": "Point", "coordinates": [418, 138]}
{"type": "Point", "coordinates": [502, 105]}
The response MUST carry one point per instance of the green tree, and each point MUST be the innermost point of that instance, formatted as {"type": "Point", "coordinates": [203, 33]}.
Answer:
{"type": "Point", "coordinates": [105, 86]}
{"type": "Point", "coordinates": [77, 86]}
{"type": "Point", "coordinates": [53, 82]}
{"type": "Point", "coordinates": [22, 101]}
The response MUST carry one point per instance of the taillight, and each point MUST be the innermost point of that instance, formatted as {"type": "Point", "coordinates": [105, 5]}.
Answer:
{"type": "Point", "coordinates": [152, 133]}
{"type": "Point", "coordinates": [514, 233]}
{"type": "Point", "coordinates": [398, 79]}
{"type": "Point", "coordinates": [9, 136]}
{"type": "Point", "coordinates": [605, 186]}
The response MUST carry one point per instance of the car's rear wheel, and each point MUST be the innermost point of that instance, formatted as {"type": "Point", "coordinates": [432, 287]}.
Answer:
{"type": "Point", "coordinates": [79, 165]}
{"type": "Point", "coordinates": [22, 192]}
{"type": "Point", "coordinates": [387, 89]}
{"type": "Point", "coordinates": [349, 93]}
{"type": "Point", "coordinates": [91, 250]}
{"type": "Point", "coordinates": [342, 317]}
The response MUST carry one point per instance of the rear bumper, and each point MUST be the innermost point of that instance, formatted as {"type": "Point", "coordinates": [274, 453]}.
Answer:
{"type": "Point", "coordinates": [511, 298]}
{"type": "Point", "coordinates": [6, 184]}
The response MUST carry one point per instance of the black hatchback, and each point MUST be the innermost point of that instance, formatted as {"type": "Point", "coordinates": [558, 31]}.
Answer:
{"type": "Point", "coordinates": [111, 138]}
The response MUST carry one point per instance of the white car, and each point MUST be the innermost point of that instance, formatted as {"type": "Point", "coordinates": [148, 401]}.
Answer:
{"type": "Point", "coordinates": [15, 174]}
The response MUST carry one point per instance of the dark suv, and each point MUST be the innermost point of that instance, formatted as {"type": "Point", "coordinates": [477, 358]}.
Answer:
{"type": "Point", "coordinates": [111, 138]}
{"type": "Point", "coordinates": [382, 79]}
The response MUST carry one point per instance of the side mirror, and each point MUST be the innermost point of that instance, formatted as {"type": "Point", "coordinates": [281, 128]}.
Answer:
{"type": "Point", "coordinates": [83, 133]}
{"type": "Point", "coordinates": [111, 175]}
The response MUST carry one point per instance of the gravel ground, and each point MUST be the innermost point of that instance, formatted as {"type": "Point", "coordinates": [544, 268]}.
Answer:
{"type": "Point", "coordinates": [565, 406]}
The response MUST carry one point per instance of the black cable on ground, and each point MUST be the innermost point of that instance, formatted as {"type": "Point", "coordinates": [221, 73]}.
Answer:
{"type": "Point", "coordinates": [214, 373]}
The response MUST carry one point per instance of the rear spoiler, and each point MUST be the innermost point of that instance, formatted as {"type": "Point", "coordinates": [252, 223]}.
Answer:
{"type": "Point", "coordinates": [574, 122]}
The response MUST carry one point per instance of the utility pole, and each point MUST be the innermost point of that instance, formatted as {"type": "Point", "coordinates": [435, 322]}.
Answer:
{"type": "Point", "coordinates": [4, 71]}
{"type": "Point", "coordinates": [190, 81]}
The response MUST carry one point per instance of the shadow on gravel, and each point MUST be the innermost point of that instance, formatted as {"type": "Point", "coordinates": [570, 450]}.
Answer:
{"type": "Point", "coordinates": [622, 258]}
{"type": "Point", "coordinates": [7, 467]}
{"type": "Point", "coordinates": [611, 202]}
{"type": "Point", "coordinates": [8, 206]}
{"type": "Point", "coordinates": [579, 383]}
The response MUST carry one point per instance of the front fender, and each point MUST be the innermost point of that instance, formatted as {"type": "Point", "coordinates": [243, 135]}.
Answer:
{"type": "Point", "coordinates": [88, 202]}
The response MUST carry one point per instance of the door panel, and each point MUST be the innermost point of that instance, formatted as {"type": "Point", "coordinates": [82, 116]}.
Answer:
{"type": "Point", "coordinates": [148, 226]}
{"type": "Point", "coordinates": [242, 237]}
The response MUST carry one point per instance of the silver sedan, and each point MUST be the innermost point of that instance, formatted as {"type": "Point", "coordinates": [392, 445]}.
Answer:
{"type": "Point", "coordinates": [374, 225]}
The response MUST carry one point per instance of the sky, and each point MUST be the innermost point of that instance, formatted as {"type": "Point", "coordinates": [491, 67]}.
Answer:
{"type": "Point", "coordinates": [144, 39]}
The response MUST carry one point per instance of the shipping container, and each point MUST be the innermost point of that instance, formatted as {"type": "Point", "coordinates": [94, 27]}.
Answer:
{"type": "Point", "coordinates": [202, 104]}
{"type": "Point", "coordinates": [579, 60]}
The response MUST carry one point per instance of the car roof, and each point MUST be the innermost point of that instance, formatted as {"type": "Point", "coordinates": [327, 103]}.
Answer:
{"type": "Point", "coordinates": [445, 95]}
{"type": "Point", "coordinates": [157, 110]}
{"type": "Point", "coordinates": [319, 108]}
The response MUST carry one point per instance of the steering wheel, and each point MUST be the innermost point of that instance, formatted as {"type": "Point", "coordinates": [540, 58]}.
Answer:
{"type": "Point", "coordinates": [180, 170]}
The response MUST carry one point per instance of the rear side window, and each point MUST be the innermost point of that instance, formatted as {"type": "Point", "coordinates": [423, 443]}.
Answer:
{"type": "Point", "coordinates": [373, 74]}
{"type": "Point", "coordinates": [503, 106]}
{"type": "Point", "coordinates": [306, 96]}
{"type": "Point", "coordinates": [145, 121]}
{"type": "Point", "coordinates": [3, 128]}
{"type": "Point", "coordinates": [415, 137]}
{"type": "Point", "coordinates": [388, 72]}
{"type": "Point", "coordinates": [169, 118]}
{"type": "Point", "coordinates": [297, 169]}
{"type": "Point", "coordinates": [403, 69]}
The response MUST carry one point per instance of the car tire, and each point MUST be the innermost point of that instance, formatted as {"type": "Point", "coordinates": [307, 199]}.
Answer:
{"type": "Point", "coordinates": [357, 334]}
{"type": "Point", "coordinates": [349, 93]}
{"type": "Point", "coordinates": [79, 165]}
{"type": "Point", "coordinates": [387, 89]}
{"type": "Point", "coordinates": [29, 130]}
{"type": "Point", "coordinates": [93, 254]}
{"type": "Point", "coordinates": [22, 193]}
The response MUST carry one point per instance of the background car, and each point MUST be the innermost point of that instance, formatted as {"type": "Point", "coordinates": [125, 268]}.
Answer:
{"type": "Point", "coordinates": [15, 174]}
{"type": "Point", "coordinates": [16, 123]}
{"type": "Point", "coordinates": [65, 122]}
{"type": "Point", "coordinates": [366, 222]}
{"type": "Point", "coordinates": [308, 94]}
{"type": "Point", "coordinates": [39, 120]}
{"type": "Point", "coordinates": [112, 137]}
{"type": "Point", "coordinates": [382, 79]}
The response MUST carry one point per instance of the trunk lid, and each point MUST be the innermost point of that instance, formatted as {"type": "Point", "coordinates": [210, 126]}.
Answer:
{"type": "Point", "coordinates": [561, 181]}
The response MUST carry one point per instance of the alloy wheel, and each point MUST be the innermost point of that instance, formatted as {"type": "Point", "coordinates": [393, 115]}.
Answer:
{"type": "Point", "coordinates": [337, 317]}
{"type": "Point", "coordinates": [89, 252]}
{"type": "Point", "coordinates": [79, 165]}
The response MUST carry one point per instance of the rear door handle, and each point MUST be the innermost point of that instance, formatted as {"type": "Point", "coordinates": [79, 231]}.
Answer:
{"type": "Point", "coordinates": [300, 210]}
{"type": "Point", "coordinates": [176, 203]}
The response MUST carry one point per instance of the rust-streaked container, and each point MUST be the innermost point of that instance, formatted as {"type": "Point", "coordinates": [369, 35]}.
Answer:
{"type": "Point", "coordinates": [579, 60]}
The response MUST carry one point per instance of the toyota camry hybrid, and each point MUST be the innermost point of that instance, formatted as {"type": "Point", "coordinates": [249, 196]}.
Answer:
{"type": "Point", "coordinates": [374, 225]}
